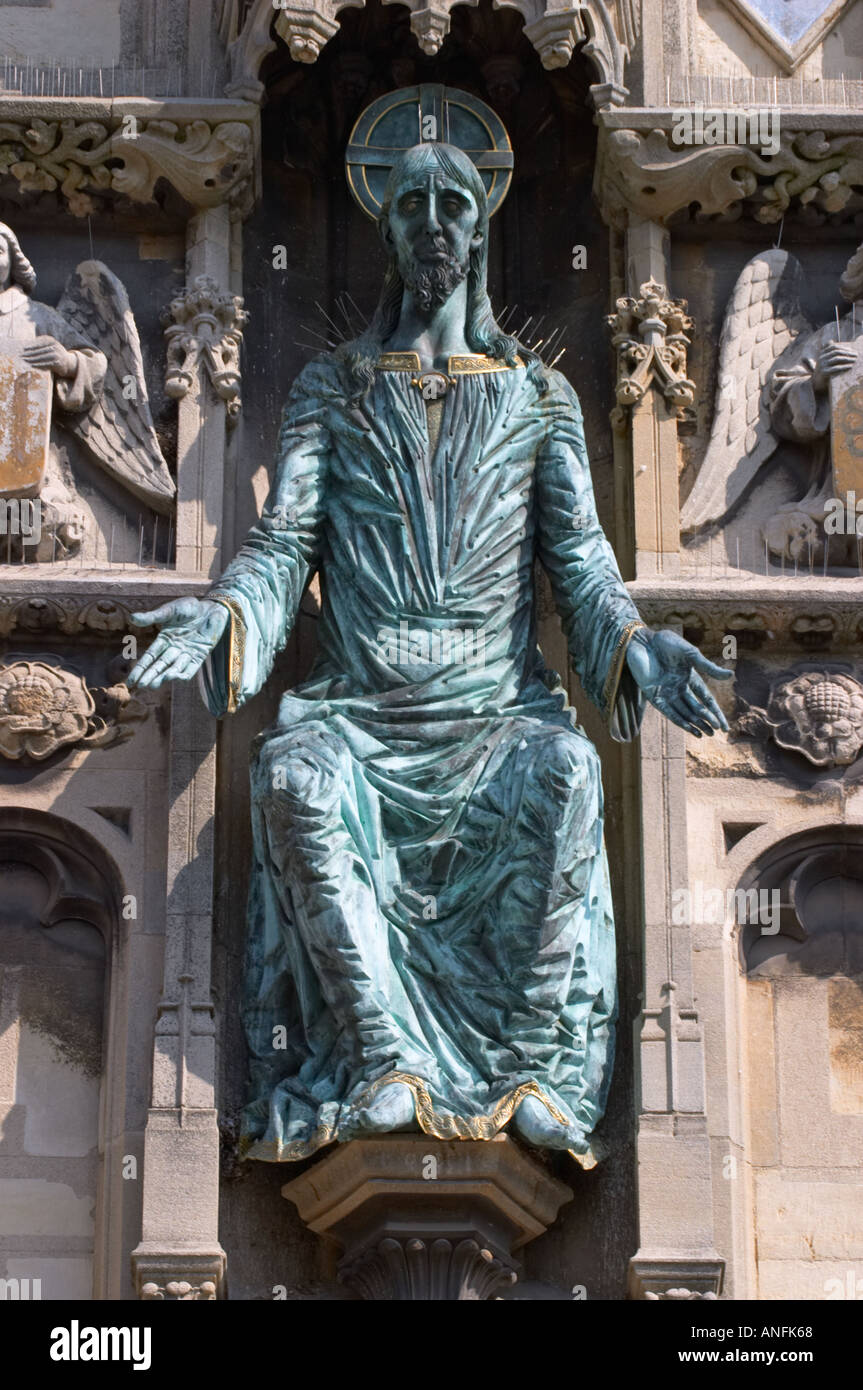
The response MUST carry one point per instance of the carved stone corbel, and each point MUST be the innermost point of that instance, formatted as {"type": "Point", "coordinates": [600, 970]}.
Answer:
{"type": "Point", "coordinates": [204, 328]}
{"type": "Point", "coordinates": [420, 1218]}
{"type": "Point", "coordinates": [649, 334]}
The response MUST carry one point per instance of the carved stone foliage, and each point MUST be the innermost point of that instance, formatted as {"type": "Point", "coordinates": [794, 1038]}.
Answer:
{"type": "Point", "coordinates": [649, 334]}
{"type": "Point", "coordinates": [813, 174]}
{"type": "Point", "coordinates": [816, 713]}
{"type": "Point", "coordinates": [178, 1274]}
{"type": "Point", "coordinates": [406, 1269]}
{"type": "Point", "coordinates": [61, 614]}
{"type": "Point", "coordinates": [179, 1291]}
{"type": "Point", "coordinates": [206, 161]}
{"type": "Point", "coordinates": [45, 707]}
{"type": "Point", "coordinates": [759, 621]}
{"type": "Point", "coordinates": [678, 1296]}
{"type": "Point", "coordinates": [204, 329]}
{"type": "Point", "coordinates": [73, 615]}
{"type": "Point", "coordinates": [607, 29]}
{"type": "Point", "coordinates": [667, 1278]}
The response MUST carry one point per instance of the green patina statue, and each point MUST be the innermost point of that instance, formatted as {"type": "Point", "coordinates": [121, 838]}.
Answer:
{"type": "Point", "coordinates": [430, 937]}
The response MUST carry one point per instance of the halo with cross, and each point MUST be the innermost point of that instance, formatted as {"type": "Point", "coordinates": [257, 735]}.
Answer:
{"type": "Point", "coordinates": [410, 115]}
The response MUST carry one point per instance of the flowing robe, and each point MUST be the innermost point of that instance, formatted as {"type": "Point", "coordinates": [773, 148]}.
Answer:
{"type": "Point", "coordinates": [429, 899]}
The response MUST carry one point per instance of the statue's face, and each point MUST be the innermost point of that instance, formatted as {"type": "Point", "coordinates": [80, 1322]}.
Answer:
{"type": "Point", "coordinates": [432, 228]}
{"type": "Point", "coordinates": [5, 263]}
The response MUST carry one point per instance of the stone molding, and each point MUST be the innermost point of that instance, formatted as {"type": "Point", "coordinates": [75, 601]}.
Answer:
{"type": "Point", "coordinates": [207, 151]}
{"type": "Point", "coordinates": [649, 335]}
{"type": "Point", "coordinates": [640, 172]}
{"type": "Point", "coordinates": [672, 1278]}
{"type": "Point", "coordinates": [806, 615]}
{"type": "Point", "coordinates": [178, 1275]}
{"type": "Point", "coordinates": [607, 29]}
{"type": "Point", "coordinates": [34, 610]}
{"type": "Point", "coordinates": [204, 329]}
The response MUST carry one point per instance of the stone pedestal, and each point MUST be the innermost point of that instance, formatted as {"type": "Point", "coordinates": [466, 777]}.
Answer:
{"type": "Point", "coordinates": [419, 1218]}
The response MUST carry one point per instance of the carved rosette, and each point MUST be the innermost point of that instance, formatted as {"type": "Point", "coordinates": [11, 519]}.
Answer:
{"type": "Point", "coordinates": [44, 707]}
{"type": "Point", "coordinates": [649, 335]}
{"type": "Point", "coordinates": [207, 161]}
{"type": "Point", "coordinates": [204, 328]}
{"type": "Point", "coordinates": [816, 713]}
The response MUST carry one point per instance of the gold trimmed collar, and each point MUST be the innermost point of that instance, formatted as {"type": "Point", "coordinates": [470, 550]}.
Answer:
{"type": "Point", "coordinates": [459, 364]}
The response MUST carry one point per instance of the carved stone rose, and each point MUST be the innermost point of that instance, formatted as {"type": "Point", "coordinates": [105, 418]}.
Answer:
{"type": "Point", "coordinates": [816, 713]}
{"type": "Point", "coordinates": [44, 707]}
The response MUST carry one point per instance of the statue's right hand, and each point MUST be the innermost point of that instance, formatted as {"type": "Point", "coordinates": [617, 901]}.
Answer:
{"type": "Point", "coordinates": [190, 629]}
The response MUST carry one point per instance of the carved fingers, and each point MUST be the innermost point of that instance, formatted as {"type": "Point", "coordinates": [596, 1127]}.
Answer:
{"type": "Point", "coordinates": [191, 629]}
{"type": "Point", "coordinates": [51, 356]}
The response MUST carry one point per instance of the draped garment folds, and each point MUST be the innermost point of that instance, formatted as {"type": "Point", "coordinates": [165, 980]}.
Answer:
{"type": "Point", "coordinates": [429, 899]}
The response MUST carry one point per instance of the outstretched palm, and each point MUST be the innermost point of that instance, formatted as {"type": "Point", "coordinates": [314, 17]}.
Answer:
{"type": "Point", "coordinates": [191, 629]}
{"type": "Point", "coordinates": [670, 671]}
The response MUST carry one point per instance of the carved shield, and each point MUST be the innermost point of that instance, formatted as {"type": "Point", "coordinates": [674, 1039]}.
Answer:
{"type": "Point", "coordinates": [846, 411]}
{"type": "Point", "coordinates": [25, 422]}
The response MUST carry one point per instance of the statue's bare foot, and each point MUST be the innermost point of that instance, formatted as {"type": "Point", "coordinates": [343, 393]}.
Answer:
{"type": "Point", "coordinates": [535, 1123]}
{"type": "Point", "coordinates": [392, 1109]}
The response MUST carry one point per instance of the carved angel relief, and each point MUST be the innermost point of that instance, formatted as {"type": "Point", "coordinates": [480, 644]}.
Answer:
{"type": "Point", "coordinates": [79, 367]}
{"type": "Point", "coordinates": [782, 383]}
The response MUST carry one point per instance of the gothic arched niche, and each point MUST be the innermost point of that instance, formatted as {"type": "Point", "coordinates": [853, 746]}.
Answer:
{"type": "Point", "coordinates": [328, 247]}
{"type": "Point", "coordinates": [816, 881]}
{"type": "Point", "coordinates": [58, 901]}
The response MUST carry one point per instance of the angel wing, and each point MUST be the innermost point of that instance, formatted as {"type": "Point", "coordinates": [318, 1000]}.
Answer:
{"type": "Point", "coordinates": [117, 431]}
{"type": "Point", "coordinates": [762, 321]}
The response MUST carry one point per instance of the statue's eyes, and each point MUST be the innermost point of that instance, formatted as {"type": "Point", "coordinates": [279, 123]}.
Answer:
{"type": "Point", "coordinates": [410, 205]}
{"type": "Point", "coordinates": [452, 207]}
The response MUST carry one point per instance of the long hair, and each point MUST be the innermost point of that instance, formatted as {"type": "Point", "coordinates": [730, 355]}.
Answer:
{"type": "Point", "coordinates": [482, 331]}
{"type": "Point", "coordinates": [22, 273]}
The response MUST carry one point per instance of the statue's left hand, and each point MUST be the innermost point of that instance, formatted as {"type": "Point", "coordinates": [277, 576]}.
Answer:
{"type": "Point", "coordinates": [51, 356]}
{"type": "Point", "coordinates": [670, 670]}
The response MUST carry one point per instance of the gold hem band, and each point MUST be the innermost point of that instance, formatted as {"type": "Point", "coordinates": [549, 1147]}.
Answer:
{"type": "Point", "coordinates": [430, 1121]}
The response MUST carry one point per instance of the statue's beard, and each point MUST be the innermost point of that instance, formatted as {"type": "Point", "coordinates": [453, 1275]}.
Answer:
{"type": "Point", "coordinates": [431, 284]}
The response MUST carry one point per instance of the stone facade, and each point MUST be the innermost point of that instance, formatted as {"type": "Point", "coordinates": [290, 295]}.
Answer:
{"type": "Point", "coordinates": [194, 147]}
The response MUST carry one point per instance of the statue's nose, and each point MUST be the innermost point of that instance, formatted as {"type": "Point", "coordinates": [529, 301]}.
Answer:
{"type": "Point", "coordinates": [432, 223]}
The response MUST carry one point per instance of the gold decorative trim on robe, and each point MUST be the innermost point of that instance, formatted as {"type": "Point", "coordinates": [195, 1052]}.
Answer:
{"type": "Point", "coordinates": [430, 1121]}
{"type": "Point", "coordinates": [615, 669]}
{"type": "Point", "coordinates": [464, 364]}
{"type": "Point", "coordinates": [236, 648]}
